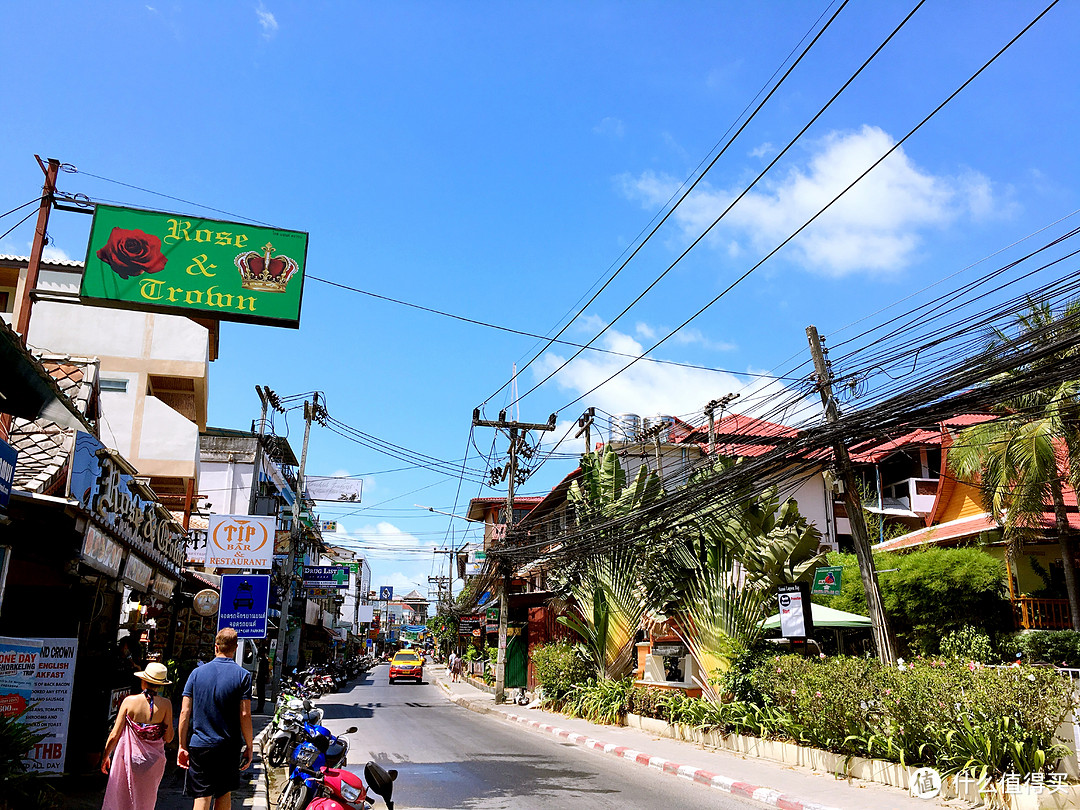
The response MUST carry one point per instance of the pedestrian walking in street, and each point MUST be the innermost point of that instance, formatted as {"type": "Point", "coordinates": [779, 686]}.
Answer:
{"type": "Point", "coordinates": [458, 667]}
{"type": "Point", "coordinates": [262, 677]}
{"type": "Point", "coordinates": [134, 755]}
{"type": "Point", "coordinates": [450, 665]}
{"type": "Point", "coordinates": [215, 727]}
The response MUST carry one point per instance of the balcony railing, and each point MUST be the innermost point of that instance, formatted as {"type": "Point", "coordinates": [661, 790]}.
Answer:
{"type": "Point", "coordinates": [1041, 614]}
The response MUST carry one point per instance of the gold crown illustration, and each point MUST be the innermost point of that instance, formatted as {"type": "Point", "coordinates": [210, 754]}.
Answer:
{"type": "Point", "coordinates": [264, 272]}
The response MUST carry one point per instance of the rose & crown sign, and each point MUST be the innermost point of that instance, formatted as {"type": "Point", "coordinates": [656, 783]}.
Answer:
{"type": "Point", "coordinates": [158, 262]}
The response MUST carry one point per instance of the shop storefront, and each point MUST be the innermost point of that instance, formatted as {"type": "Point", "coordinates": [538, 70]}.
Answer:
{"type": "Point", "coordinates": [97, 558]}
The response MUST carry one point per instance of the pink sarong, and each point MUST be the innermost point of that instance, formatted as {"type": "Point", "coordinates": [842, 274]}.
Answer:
{"type": "Point", "coordinates": [138, 764]}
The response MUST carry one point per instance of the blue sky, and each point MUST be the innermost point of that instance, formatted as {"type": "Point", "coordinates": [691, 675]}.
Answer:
{"type": "Point", "coordinates": [495, 160]}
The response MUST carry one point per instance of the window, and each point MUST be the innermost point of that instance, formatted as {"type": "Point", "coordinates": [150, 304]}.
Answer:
{"type": "Point", "coordinates": [119, 386]}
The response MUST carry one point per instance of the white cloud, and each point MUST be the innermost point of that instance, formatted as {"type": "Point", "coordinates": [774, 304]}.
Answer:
{"type": "Point", "coordinates": [267, 21]}
{"type": "Point", "coordinates": [650, 388]}
{"type": "Point", "coordinates": [684, 337]}
{"type": "Point", "coordinates": [877, 226]}
{"type": "Point", "coordinates": [610, 126]}
{"type": "Point", "coordinates": [764, 150]}
{"type": "Point", "coordinates": [54, 254]}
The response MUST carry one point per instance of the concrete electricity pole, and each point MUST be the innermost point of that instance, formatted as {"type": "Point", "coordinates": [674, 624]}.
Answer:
{"type": "Point", "coordinates": [294, 543]}
{"type": "Point", "coordinates": [710, 411]}
{"type": "Point", "coordinates": [511, 477]}
{"type": "Point", "coordinates": [883, 643]}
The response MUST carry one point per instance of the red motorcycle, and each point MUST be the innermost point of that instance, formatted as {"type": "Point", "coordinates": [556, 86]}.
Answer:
{"type": "Point", "coordinates": [343, 790]}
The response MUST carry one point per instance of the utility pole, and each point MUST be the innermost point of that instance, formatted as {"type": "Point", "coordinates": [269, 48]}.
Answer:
{"type": "Point", "coordinates": [883, 641]}
{"type": "Point", "coordinates": [294, 544]}
{"type": "Point", "coordinates": [585, 422]}
{"type": "Point", "coordinates": [710, 411]}
{"type": "Point", "coordinates": [511, 477]}
{"type": "Point", "coordinates": [264, 397]}
{"type": "Point", "coordinates": [23, 298]}
{"type": "Point", "coordinates": [653, 433]}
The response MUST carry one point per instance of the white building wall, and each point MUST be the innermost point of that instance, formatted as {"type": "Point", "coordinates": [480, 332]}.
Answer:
{"type": "Point", "coordinates": [131, 346]}
{"type": "Point", "coordinates": [227, 487]}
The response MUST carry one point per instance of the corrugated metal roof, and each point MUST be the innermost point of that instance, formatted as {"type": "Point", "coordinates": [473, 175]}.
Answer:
{"type": "Point", "coordinates": [53, 262]}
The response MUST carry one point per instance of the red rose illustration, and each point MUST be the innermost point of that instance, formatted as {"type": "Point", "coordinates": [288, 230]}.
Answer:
{"type": "Point", "coordinates": [130, 253]}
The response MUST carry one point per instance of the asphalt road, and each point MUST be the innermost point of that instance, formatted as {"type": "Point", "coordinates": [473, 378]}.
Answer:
{"type": "Point", "coordinates": [448, 756]}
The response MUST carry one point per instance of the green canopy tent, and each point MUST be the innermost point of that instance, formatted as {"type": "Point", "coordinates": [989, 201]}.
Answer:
{"type": "Point", "coordinates": [826, 617]}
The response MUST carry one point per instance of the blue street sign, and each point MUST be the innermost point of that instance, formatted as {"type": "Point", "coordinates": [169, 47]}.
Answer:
{"type": "Point", "coordinates": [8, 457]}
{"type": "Point", "coordinates": [386, 593]}
{"type": "Point", "coordinates": [244, 600]}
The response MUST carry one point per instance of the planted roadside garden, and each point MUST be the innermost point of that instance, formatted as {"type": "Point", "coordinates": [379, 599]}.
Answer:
{"type": "Point", "coordinates": [711, 577]}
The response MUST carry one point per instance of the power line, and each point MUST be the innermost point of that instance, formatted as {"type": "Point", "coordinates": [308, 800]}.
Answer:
{"type": "Point", "coordinates": [822, 210]}
{"type": "Point", "coordinates": [679, 202]}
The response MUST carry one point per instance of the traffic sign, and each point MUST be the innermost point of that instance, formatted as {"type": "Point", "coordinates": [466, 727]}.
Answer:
{"type": "Point", "coordinates": [244, 601]}
{"type": "Point", "coordinates": [827, 580]}
{"type": "Point", "coordinates": [386, 593]}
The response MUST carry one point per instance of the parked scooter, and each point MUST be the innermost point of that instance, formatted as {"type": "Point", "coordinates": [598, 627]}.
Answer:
{"type": "Point", "coordinates": [343, 789]}
{"type": "Point", "coordinates": [320, 751]}
{"type": "Point", "coordinates": [293, 726]}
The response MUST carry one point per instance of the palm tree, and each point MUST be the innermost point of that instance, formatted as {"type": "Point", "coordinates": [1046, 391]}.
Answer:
{"type": "Point", "coordinates": [1023, 458]}
{"type": "Point", "coordinates": [605, 583]}
{"type": "Point", "coordinates": [721, 576]}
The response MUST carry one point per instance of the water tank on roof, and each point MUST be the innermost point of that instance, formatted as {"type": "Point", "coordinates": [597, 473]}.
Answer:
{"type": "Point", "coordinates": [662, 422]}
{"type": "Point", "coordinates": [625, 427]}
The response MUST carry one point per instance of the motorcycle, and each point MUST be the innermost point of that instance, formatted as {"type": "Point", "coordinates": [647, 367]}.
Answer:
{"type": "Point", "coordinates": [343, 789]}
{"type": "Point", "coordinates": [294, 725]}
{"type": "Point", "coordinates": [321, 751]}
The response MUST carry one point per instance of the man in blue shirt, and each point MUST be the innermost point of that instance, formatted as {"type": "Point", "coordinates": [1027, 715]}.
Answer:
{"type": "Point", "coordinates": [215, 726]}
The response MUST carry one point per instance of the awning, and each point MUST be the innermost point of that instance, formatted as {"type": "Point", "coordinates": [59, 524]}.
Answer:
{"type": "Point", "coordinates": [825, 617]}
{"type": "Point", "coordinates": [26, 388]}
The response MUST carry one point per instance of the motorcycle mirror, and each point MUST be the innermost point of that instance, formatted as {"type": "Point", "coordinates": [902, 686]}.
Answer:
{"type": "Point", "coordinates": [381, 781]}
{"type": "Point", "coordinates": [350, 730]}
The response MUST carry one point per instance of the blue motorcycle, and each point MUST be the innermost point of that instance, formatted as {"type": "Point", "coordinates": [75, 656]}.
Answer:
{"type": "Point", "coordinates": [321, 750]}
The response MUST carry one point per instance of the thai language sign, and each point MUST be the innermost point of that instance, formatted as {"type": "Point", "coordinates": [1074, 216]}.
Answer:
{"type": "Point", "coordinates": [244, 602]}
{"type": "Point", "coordinates": [157, 262]}
{"type": "Point", "coordinates": [240, 541]}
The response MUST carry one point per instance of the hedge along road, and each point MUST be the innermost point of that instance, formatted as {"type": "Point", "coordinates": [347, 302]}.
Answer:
{"type": "Point", "coordinates": [448, 756]}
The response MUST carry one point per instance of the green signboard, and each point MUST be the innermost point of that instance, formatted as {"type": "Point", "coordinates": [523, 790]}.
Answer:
{"type": "Point", "coordinates": [826, 581]}
{"type": "Point", "coordinates": [228, 271]}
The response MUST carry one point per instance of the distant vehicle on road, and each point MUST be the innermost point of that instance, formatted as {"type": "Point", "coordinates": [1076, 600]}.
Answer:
{"type": "Point", "coordinates": [407, 664]}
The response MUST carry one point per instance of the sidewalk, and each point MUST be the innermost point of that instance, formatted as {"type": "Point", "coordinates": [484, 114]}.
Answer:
{"type": "Point", "coordinates": [771, 783]}
{"type": "Point", "coordinates": [87, 792]}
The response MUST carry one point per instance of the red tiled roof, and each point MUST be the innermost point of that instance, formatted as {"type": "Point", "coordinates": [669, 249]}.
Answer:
{"type": "Point", "coordinates": [941, 534]}
{"type": "Point", "coordinates": [955, 531]}
{"type": "Point", "coordinates": [735, 436]}
{"type": "Point", "coordinates": [42, 445]}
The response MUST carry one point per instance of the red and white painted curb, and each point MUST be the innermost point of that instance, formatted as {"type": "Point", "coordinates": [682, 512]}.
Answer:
{"type": "Point", "coordinates": [733, 786]}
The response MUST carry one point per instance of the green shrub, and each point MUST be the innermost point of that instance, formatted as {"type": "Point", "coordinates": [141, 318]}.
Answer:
{"type": "Point", "coordinates": [22, 788]}
{"type": "Point", "coordinates": [1058, 647]}
{"type": "Point", "coordinates": [646, 702]}
{"type": "Point", "coordinates": [967, 644]}
{"type": "Point", "coordinates": [559, 667]}
{"type": "Point", "coordinates": [946, 714]}
{"type": "Point", "coordinates": [932, 592]}
{"type": "Point", "coordinates": [602, 701]}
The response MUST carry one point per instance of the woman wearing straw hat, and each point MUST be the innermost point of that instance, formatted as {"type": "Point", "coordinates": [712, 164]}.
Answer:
{"type": "Point", "coordinates": [135, 751]}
